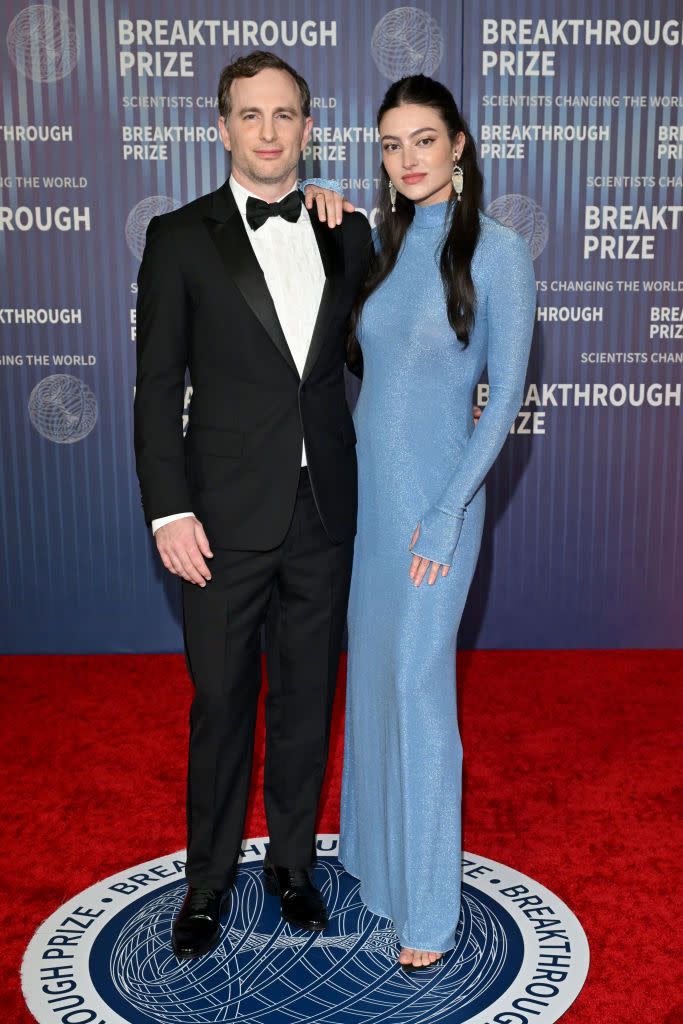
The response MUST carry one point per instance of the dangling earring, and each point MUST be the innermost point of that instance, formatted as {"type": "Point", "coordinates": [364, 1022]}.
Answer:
{"type": "Point", "coordinates": [458, 179]}
{"type": "Point", "coordinates": [392, 196]}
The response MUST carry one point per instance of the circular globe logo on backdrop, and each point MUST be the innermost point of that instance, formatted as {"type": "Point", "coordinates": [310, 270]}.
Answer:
{"type": "Point", "coordinates": [407, 41]}
{"type": "Point", "coordinates": [105, 955]}
{"type": "Point", "coordinates": [525, 216]}
{"type": "Point", "coordinates": [139, 217]}
{"type": "Point", "coordinates": [62, 408]}
{"type": "Point", "coordinates": [43, 43]}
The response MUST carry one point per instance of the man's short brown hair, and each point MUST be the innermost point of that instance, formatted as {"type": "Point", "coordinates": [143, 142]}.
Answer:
{"type": "Point", "coordinates": [247, 67]}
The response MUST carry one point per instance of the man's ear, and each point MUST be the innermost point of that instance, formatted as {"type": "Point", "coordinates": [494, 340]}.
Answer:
{"type": "Point", "coordinates": [308, 128]}
{"type": "Point", "coordinates": [224, 133]}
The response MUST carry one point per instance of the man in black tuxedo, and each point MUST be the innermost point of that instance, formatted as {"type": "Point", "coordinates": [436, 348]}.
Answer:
{"type": "Point", "coordinates": [253, 296]}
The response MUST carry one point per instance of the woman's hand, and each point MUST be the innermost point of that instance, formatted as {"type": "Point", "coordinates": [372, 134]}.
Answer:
{"type": "Point", "coordinates": [419, 565]}
{"type": "Point", "coordinates": [330, 205]}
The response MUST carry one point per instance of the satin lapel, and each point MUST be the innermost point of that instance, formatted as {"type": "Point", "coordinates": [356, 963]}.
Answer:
{"type": "Point", "coordinates": [332, 255]}
{"type": "Point", "coordinates": [230, 238]}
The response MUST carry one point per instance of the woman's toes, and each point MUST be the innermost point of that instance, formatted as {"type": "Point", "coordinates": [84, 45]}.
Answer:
{"type": "Point", "coordinates": [417, 957]}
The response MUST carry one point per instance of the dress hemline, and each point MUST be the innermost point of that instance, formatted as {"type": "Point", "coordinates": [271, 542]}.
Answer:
{"type": "Point", "coordinates": [388, 917]}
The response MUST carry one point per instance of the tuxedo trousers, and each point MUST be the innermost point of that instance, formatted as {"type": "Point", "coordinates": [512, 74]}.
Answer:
{"type": "Point", "coordinates": [306, 579]}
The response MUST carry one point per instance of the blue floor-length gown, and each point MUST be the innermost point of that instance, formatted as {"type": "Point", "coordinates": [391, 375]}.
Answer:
{"type": "Point", "coordinates": [420, 459]}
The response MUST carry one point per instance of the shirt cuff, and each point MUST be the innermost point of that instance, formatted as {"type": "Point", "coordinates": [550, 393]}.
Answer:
{"type": "Point", "coordinates": [439, 536]}
{"type": "Point", "coordinates": [157, 523]}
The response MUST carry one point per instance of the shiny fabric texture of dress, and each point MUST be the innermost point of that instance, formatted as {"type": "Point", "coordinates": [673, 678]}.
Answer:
{"type": "Point", "coordinates": [421, 460]}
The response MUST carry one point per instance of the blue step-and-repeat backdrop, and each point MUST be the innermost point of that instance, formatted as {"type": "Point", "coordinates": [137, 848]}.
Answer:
{"type": "Point", "coordinates": [109, 117]}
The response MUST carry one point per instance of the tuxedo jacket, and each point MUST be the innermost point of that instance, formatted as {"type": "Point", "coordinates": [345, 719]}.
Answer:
{"type": "Point", "coordinates": [203, 305]}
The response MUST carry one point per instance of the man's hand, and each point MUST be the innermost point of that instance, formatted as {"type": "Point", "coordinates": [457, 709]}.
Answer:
{"type": "Point", "coordinates": [330, 205]}
{"type": "Point", "coordinates": [183, 546]}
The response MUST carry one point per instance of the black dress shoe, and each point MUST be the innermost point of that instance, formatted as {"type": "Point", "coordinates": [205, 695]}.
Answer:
{"type": "Point", "coordinates": [197, 926]}
{"type": "Point", "coordinates": [300, 902]}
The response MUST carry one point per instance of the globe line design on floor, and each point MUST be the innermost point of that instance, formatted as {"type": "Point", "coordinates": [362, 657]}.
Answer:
{"type": "Point", "coordinates": [263, 971]}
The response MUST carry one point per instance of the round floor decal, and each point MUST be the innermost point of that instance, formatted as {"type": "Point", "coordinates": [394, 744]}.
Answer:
{"type": "Point", "coordinates": [105, 956]}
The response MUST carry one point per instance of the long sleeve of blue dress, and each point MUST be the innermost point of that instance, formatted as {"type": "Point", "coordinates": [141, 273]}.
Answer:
{"type": "Point", "coordinates": [509, 309]}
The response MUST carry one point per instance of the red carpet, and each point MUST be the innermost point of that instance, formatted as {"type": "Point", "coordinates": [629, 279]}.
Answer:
{"type": "Point", "coordinates": [571, 759]}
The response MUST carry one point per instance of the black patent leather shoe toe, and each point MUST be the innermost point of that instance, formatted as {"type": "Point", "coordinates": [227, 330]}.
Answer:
{"type": "Point", "coordinates": [197, 927]}
{"type": "Point", "coordinates": [300, 902]}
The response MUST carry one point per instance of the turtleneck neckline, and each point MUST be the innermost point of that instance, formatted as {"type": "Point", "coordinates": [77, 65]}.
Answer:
{"type": "Point", "coordinates": [431, 216]}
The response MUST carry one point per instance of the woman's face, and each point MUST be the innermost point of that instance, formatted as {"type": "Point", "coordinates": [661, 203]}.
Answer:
{"type": "Point", "coordinates": [418, 154]}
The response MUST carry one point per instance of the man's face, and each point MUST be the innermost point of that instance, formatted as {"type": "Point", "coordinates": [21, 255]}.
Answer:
{"type": "Point", "coordinates": [266, 131]}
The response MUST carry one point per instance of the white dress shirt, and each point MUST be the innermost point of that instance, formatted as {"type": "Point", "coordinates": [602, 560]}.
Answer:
{"type": "Point", "coordinates": [289, 257]}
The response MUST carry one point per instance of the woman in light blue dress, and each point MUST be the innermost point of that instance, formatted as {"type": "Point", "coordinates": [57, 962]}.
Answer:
{"type": "Point", "coordinates": [450, 293]}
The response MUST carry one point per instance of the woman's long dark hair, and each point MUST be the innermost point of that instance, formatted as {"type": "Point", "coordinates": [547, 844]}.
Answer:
{"type": "Point", "coordinates": [463, 232]}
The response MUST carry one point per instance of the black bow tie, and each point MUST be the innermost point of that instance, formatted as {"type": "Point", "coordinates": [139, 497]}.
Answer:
{"type": "Point", "coordinates": [259, 211]}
